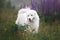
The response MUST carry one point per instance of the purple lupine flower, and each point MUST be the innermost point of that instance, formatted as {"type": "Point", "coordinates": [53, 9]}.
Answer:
{"type": "Point", "coordinates": [35, 5]}
{"type": "Point", "coordinates": [50, 6]}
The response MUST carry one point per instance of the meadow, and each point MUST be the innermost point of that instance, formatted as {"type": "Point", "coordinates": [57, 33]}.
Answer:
{"type": "Point", "coordinates": [9, 31]}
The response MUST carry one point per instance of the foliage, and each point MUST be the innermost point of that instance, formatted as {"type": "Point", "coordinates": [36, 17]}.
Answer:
{"type": "Point", "coordinates": [22, 28]}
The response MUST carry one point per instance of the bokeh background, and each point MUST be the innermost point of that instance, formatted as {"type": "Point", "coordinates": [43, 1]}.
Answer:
{"type": "Point", "coordinates": [48, 11]}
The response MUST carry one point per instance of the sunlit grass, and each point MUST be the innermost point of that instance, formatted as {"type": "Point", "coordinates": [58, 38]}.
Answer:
{"type": "Point", "coordinates": [9, 31]}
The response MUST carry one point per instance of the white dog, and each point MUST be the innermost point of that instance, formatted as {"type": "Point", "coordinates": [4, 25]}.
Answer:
{"type": "Point", "coordinates": [29, 17]}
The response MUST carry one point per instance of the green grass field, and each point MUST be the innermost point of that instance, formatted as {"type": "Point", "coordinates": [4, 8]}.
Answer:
{"type": "Point", "coordinates": [8, 30]}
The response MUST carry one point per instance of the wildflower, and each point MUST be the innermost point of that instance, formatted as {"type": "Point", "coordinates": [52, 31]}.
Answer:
{"type": "Point", "coordinates": [30, 30]}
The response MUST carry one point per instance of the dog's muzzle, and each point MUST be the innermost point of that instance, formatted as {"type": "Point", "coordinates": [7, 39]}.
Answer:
{"type": "Point", "coordinates": [31, 20]}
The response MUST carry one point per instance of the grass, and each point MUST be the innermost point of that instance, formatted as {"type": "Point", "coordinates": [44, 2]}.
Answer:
{"type": "Point", "coordinates": [8, 29]}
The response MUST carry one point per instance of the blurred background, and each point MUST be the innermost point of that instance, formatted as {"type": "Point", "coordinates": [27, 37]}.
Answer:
{"type": "Point", "coordinates": [48, 11]}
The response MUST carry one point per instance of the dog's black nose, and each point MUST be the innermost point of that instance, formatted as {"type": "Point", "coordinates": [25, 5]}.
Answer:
{"type": "Point", "coordinates": [29, 19]}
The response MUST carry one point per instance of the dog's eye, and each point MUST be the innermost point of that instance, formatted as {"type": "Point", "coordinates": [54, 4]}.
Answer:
{"type": "Point", "coordinates": [31, 15]}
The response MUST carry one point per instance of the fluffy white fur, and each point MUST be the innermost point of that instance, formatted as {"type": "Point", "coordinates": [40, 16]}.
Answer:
{"type": "Point", "coordinates": [22, 17]}
{"type": "Point", "coordinates": [29, 17]}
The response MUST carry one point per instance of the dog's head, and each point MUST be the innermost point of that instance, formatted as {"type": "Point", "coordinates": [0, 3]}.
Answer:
{"type": "Point", "coordinates": [31, 16]}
